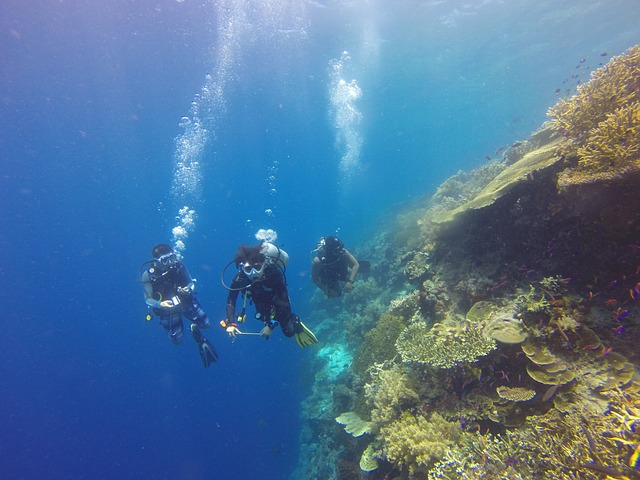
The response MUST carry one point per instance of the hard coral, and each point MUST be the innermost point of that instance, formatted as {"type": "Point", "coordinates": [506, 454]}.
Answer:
{"type": "Point", "coordinates": [368, 460]}
{"type": "Point", "coordinates": [445, 345]}
{"type": "Point", "coordinates": [378, 343]}
{"type": "Point", "coordinates": [612, 149]}
{"type": "Point", "coordinates": [415, 443]}
{"type": "Point", "coordinates": [515, 394]}
{"type": "Point", "coordinates": [611, 87]}
{"type": "Point", "coordinates": [603, 120]}
{"type": "Point", "coordinates": [532, 163]}
{"type": "Point", "coordinates": [353, 424]}
{"type": "Point", "coordinates": [390, 393]}
{"type": "Point", "coordinates": [505, 328]}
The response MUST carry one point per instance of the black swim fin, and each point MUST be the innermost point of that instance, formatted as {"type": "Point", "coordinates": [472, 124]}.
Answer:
{"type": "Point", "coordinates": [207, 353]}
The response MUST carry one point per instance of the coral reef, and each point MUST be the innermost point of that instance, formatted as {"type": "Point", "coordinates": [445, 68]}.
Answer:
{"type": "Point", "coordinates": [603, 120]}
{"type": "Point", "coordinates": [444, 345]}
{"type": "Point", "coordinates": [378, 342]}
{"type": "Point", "coordinates": [611, 87]}
{"type": "Point", "coordinates": [515, 394]}
{"type": "Point", "coordinates": [530, 164]}
{"type": "Point", "coordinates": [415, 442]}
{"type": "Point", "coordinates": [391, 392]}
{"type": "Point", "coordinates": [611, 152]}
{"type": "Point", "coordinates": [353, 424]}
{"type": "Point", "coordinates": [368, 460]}
{"type": "Point", "coordinates": [496, 336]}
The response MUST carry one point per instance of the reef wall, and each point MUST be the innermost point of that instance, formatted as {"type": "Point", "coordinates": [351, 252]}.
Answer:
{"type": "Point", "coordinates": [494, 336]}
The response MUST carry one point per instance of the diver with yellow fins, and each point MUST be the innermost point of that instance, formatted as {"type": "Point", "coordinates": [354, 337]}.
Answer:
{"type": "Point", "coordinates": [261, 278]}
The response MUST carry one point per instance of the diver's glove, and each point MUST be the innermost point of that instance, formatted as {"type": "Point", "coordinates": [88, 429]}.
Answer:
{"type": "Point", "coordinates": [268, 329]}
{"type": "Point", "coordinates": [231, 328]}
{"type": "Point", "coordinates": [348, 287]}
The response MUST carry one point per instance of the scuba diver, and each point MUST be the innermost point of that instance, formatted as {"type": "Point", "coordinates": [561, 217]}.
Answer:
{"type": "Point", "coordinates": [169, 293]}
{"type": "Point", "coordinates": [333, 269]}
{"type": "Point", "coordinates": [261, 277]}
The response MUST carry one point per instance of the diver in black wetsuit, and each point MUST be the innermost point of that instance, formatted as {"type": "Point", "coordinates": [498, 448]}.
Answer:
{"type": "Point", "coordinates": [261, 277]}
{"type": "Point", "coordinates": [333, 269]}
{"type": "Point", "coordinates": [169, 292]}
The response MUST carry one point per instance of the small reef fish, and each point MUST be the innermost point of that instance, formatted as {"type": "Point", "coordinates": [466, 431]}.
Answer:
{"type": "Point", "coordinates": [550, 393]}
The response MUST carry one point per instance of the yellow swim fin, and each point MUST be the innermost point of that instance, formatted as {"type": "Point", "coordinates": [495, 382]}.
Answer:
{"type": "Point", "coordinates": [304, 336]}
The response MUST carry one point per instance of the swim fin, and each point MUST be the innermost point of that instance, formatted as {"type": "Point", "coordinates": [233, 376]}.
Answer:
{"type": "Point", "coordinates": [208, 354]}
{"type": "Point", "coordinates": [304, 336]}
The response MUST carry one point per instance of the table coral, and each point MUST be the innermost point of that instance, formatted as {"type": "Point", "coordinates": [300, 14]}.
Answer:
{"type": "Point", "coordinates": [515, 394]}
{"type": "Point", "coordinates": [353, 424]}
{"type": "Point", "coordinates": [612, 150]}
{"type": "Point", "coordinates": [445, 345]}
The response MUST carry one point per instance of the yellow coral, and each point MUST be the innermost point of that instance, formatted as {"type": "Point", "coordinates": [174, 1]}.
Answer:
{"type": "Point", "coordinates": [612, 149]}
{"type": "Point", "coordinates": [445, 345]}
{"type": "Point", "coordinates": [415, 443]}
{"type": "Point", "coordinates": [515, 394]}
{"type": "Point", "coordinates": [368, 460]}
{"type": "Point", "coordinates": [353, 424]}
{"type": "Point", "coordinates": [611, 87]}
{"type": "Point", "coordinates": [388, 394]}
{"type": "Point", "coordinates": [603, 119]}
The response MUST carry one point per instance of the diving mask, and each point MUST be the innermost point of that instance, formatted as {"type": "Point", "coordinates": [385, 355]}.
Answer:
{"type": "Point", "coordinates": [168, 259]}
{"type": "Point", "coordinates": [253, 271]}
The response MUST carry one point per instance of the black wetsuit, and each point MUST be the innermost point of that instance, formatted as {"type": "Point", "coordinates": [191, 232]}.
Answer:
{"type": "Point", "coordinates": [165, 282]}
{"type": "Point", "coordinates": [330, 271]}
{"type": "Point", "coordinates": [269, 295]}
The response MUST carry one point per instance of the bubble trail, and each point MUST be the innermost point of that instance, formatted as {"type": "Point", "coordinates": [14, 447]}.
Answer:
{"type": "Point", "coordinates": [345, 117]}
{"type": "Point", "coordinates": [241, 24]}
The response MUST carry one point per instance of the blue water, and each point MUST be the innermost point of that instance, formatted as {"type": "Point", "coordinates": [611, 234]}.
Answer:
{"type": "Point", "coordinates": [92, 95]}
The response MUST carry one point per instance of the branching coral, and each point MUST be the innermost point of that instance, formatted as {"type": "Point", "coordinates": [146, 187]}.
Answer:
{"type": "Point", "coordinates": [480, 457]}
{"type": "Point", "coordinates": [445, 345]}
{"type": "Point", "coordinates": [530, 303]}
{"type": "Point", "coordinates": [612, 150]}
{"type": "Point", "coordinates": [603, 119]}
{"type": "Point", "coordinates": [587, 448]}
{"type": "Point", "coordinates": [415, 443]}
{"type": "Point", "coordinates": [418, 267]}
{"type": "Point", "coordinates": [406, 305]}
{"type": "Point", "coordinates": [613, 86]}
{"type": "Point", "coordinates": [390, 393]}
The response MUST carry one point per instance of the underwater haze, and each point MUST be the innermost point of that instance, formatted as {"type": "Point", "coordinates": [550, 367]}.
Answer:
{"type": "Point", "coordinates": [131, 123]}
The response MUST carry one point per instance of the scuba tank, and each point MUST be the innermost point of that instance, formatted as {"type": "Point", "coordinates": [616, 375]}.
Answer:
{"type": "Point", "coordinates": [275, 254]}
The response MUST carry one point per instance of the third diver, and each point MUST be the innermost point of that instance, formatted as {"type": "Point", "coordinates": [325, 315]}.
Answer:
{"type": "Point", "coordinates": [334, 268]}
